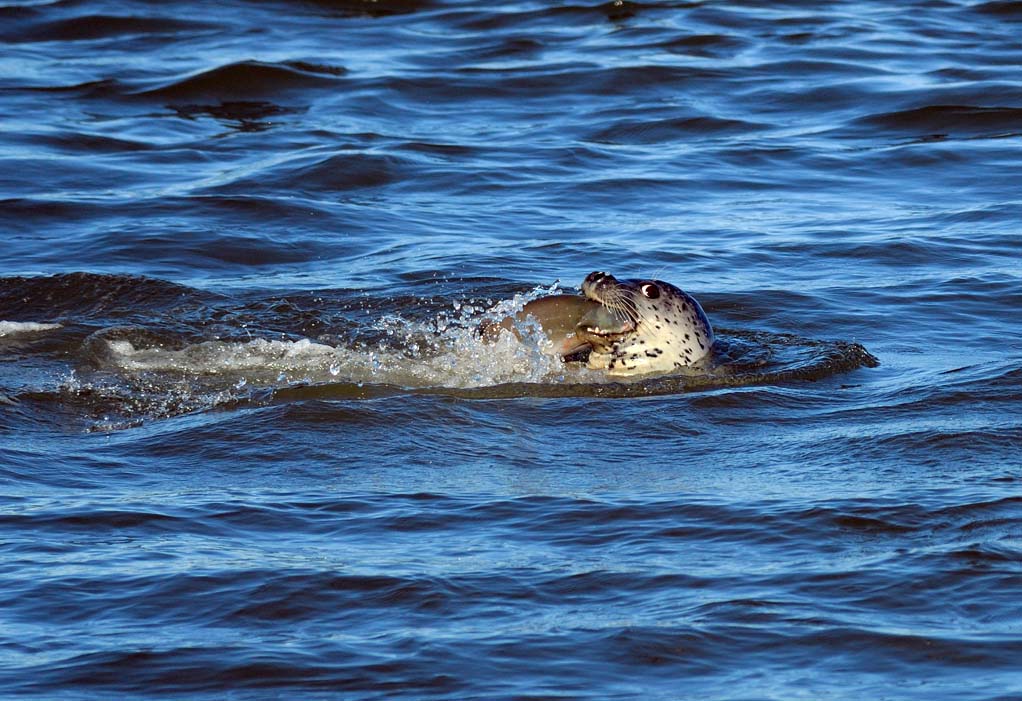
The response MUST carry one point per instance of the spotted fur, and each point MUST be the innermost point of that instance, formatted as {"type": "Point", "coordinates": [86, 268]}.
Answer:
{"type": "Point", "coordinates": [663, 328]}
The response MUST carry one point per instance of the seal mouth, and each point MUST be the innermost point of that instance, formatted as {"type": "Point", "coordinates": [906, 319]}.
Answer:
{"type": "Point", "coordinates": [608, 328]}
{"type": "Point", "coordinates": [603, 328]}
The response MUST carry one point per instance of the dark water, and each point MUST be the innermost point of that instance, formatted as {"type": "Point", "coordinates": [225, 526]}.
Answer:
{"type": "Point", "coordinates": [250, 447]}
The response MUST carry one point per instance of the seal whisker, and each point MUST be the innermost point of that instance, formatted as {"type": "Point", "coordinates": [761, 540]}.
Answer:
{"type": "Point", "coordinates": [620, 304]}
{"type": "Point", "coordinates": [658, 272]}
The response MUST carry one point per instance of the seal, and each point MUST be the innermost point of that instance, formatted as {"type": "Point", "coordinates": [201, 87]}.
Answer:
{"type": "Point", "coordinates": [659, 327]}
{"type": "Point", "coordinates": [624, 327]}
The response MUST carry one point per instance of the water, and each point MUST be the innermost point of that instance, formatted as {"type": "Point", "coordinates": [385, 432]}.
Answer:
{"type": "Point", "coordinates": [251, 447]}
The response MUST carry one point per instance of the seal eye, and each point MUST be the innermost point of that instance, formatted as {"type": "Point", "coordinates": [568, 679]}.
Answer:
{"type": "Point", "coordinates": [650, 290]}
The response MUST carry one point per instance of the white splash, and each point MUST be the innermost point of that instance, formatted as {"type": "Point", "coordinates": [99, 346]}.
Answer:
{"type": "Point", "coordinates": [10, 328]}
{"type": "Point", "coordinates": [446, 351]}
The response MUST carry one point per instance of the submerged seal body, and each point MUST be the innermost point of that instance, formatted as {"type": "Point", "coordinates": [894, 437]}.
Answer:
{"type": "Point", "coordinates": [660, 328]}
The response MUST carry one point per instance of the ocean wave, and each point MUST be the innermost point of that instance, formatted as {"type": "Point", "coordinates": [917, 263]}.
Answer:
{"type": "Point", "coordinates": [245, 80]}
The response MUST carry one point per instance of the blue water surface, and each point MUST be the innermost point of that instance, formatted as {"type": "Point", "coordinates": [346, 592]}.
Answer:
{"type": "Point", "coordinates": [251, 448]}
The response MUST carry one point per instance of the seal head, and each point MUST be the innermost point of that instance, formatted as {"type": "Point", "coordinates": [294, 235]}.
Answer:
{"type": "Point", "coordinates": [656, 326]}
